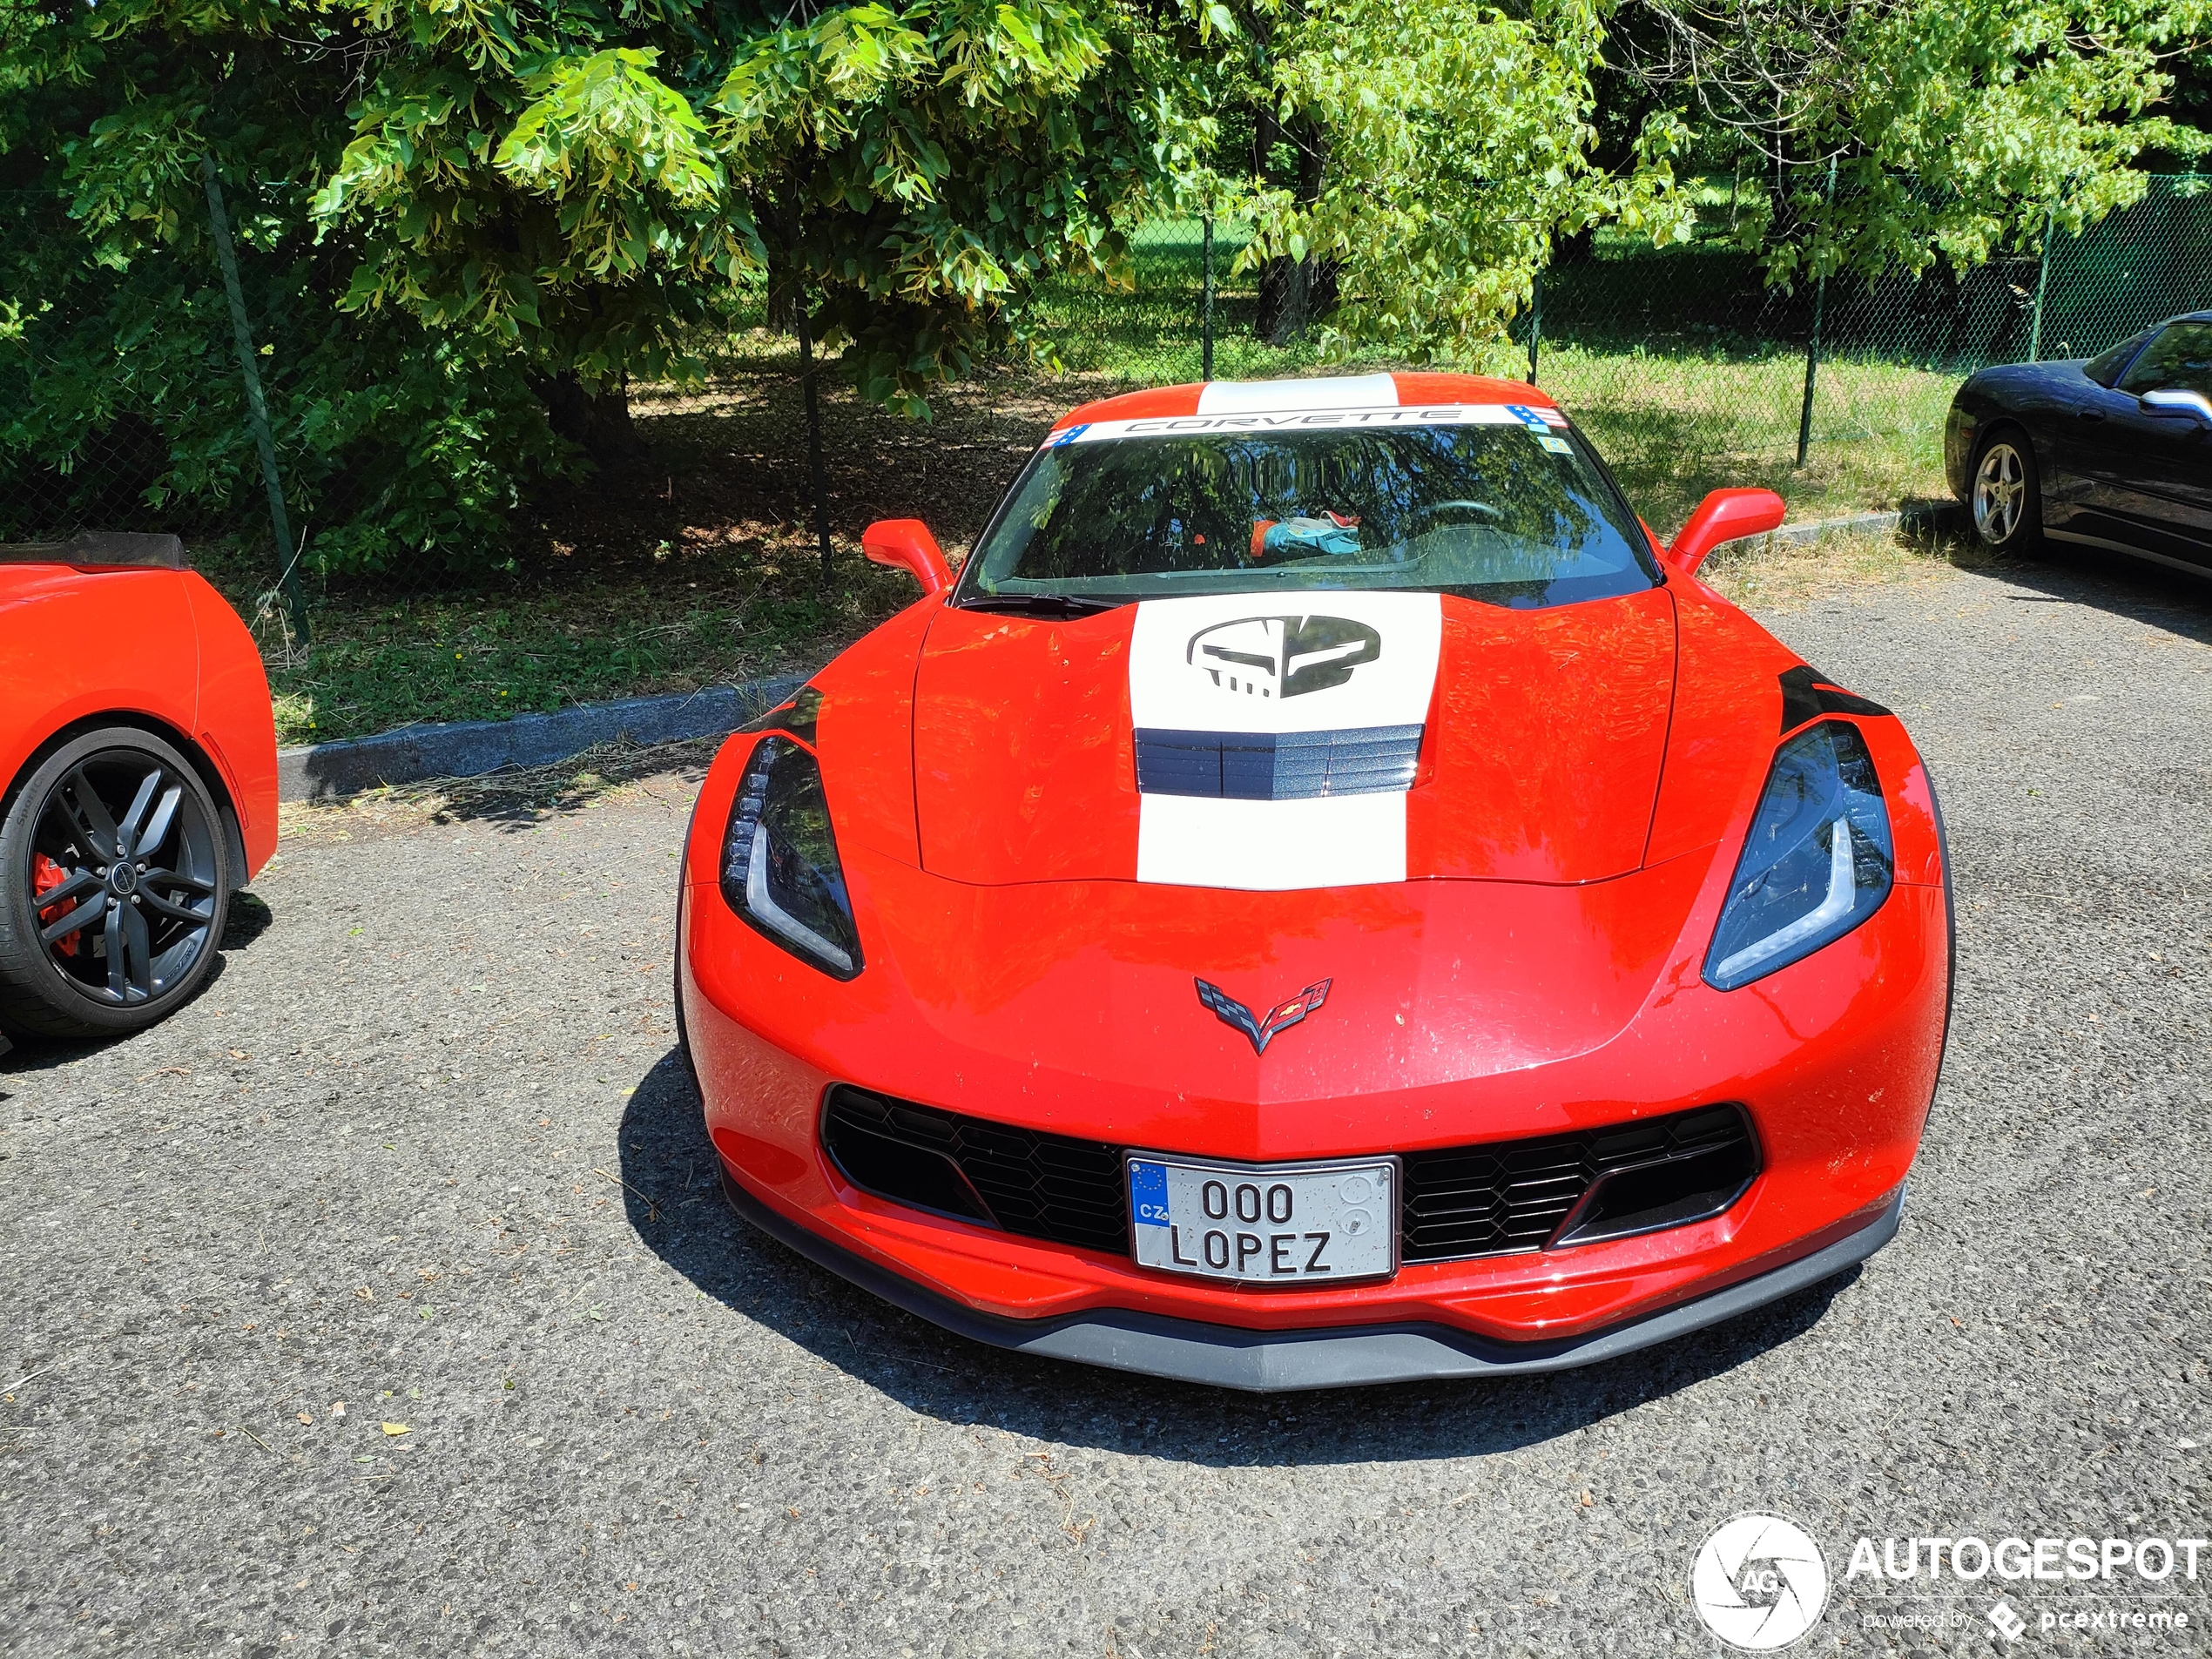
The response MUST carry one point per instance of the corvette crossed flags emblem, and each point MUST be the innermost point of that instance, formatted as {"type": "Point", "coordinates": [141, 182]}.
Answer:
{"type": "Point", "coordinates": [1281, 1017]}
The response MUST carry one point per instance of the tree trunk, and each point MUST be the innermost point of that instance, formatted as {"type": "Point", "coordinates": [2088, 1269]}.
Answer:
{"type": "Point", "coordinates": [1292, 295]}
{"type": "Point", "coordinates": [597, 422]}
{"type": "Point", "coordinates": [786, 281]}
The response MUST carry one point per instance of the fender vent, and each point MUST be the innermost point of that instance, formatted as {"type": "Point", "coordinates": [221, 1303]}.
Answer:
{"type": "Point", "coordinates": [1807, 694]}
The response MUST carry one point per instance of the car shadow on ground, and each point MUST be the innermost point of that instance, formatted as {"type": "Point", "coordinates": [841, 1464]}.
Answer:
{"type": "Point", "coordinates": [250, 917]}
{"type": "Point", "coordinates": [516, 799]}
{"type": "Point", "coordinates": [670, 1172]}
{"type": "Point", "coordinates": [2179, 602]}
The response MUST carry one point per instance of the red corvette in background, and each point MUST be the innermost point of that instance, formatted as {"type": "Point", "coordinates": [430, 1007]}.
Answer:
{"type": "Point", "coordinates": [1324, 897]}
{"type": "Point", "coordinates": [138, 755]}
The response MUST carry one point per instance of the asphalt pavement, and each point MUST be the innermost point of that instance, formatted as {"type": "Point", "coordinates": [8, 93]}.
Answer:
{"type": "Point", "coordinates": [423, 1148]}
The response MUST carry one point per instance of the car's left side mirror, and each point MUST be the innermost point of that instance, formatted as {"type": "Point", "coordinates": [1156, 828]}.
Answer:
{"type": "Point", "coordinates": [907, 544]}
{"type": "Point", "coordinates": [2173, 401]}
{"type": "Point", "coordinates": [1724, 516]}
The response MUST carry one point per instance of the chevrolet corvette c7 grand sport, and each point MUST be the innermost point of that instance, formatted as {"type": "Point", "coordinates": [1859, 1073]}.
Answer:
{"type": "Point", "coordinates": [1323, 898]}
{"type": "Point", "coordinates": [138, 781]}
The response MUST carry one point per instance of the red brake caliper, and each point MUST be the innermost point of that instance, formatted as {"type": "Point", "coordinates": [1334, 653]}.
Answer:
{"type": "Point", "coordinates": [46, 876]}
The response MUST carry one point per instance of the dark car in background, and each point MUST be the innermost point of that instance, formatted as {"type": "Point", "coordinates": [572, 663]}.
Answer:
{"type": "Point", "coordinates": [2111, 452]}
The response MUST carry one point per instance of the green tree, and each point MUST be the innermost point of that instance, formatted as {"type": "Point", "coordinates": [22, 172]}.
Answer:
{"type": "Point", "coordinates": [468, 227]}
{"type": "Point", "coordinates": [1953, 127]}
{"type": "Point", "coordinates": [1458, 145]}
{"type": "Point", "coordinates": [577, 181]}
{"type": "Point", "coordinates": [120, 393]}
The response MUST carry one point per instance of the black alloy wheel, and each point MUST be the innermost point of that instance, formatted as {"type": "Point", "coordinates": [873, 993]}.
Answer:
{"type": "Point", "coordinates": [116, 862]}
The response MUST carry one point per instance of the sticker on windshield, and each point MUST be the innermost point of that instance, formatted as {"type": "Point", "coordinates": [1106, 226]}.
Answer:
{"type": "Point", "coordinates": [1258, 423]}
{"type": "Point", "coordinates": [1557, 445]}
{"type": "Point", "coordinates": [1530, 418]}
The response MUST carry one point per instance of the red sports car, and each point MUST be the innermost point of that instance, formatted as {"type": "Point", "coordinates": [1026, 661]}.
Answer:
{"type": "Point", "coordinates": [1324, 897]}
{"type": "Point", "coordinates": [138, 754]}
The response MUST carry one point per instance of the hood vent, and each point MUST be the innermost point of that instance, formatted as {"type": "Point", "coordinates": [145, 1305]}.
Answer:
{"type": "Point", "coordinates": [1271, 765]}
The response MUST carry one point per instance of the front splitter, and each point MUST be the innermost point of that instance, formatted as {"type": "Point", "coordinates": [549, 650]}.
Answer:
{"type": "Point", "coordinates": [1285, 1361]}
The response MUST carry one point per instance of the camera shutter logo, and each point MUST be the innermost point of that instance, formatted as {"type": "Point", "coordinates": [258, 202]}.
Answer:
{"type": "Point", "coordinates": [1759, 1582]}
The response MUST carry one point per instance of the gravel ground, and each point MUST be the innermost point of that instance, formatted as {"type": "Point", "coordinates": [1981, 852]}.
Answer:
{"type": "Point", "coordinates": [423, 1148]}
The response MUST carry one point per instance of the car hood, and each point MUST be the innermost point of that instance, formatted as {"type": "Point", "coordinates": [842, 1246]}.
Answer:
{"type": "Point", "coordinates": [1314, 740]}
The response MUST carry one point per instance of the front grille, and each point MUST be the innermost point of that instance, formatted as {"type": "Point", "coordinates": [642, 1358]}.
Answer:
{"type": "Point", "coordinates": [1495, 1199]}
{"type": "Point", "coordinates": [1042, 1186]}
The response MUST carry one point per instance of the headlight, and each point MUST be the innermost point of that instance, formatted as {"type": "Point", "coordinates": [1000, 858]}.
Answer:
{"type": "Point", "coordinates": [779, 865]}
{"type": "Point", "coordinates": [1817, 861]}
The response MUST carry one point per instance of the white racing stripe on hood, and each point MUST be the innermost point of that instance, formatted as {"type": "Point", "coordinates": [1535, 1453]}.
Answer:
{"type": "Point", "coordinates": [1335, 392]}
{"type": "Point", "coordinates": [1271, 846]}
{"type": "Point", "coordinates": [1224, 662]}
{"type": "Point", "coordinates": [1279, 663]}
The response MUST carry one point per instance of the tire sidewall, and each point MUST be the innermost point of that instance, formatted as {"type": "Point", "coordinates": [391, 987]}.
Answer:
{"type": "Point", "coordinates": [2028, 532]}
{"type": "Point", "coordinates": [32, 988]}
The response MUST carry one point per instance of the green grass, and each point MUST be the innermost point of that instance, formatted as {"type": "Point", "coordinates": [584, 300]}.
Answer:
{"type": "Point", "coordinates": [1649, 350]}
{"type": "Point", "coordinates": [489, 654]}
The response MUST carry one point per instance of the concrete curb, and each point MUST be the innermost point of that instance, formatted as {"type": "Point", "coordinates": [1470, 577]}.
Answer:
{"type": "Point", "coordinates": [1917, 515]}
{"type": "Point", "coordinates": [471, 748]}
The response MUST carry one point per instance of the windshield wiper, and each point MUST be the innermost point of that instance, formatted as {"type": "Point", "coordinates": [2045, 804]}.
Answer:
{"type": "Point", "coordinates": [1043, 604]}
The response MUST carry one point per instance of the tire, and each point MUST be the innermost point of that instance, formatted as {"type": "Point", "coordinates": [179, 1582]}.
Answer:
{"type": "Point", "coordinates": [683, 872]}
{"type": "Point", "coordinates": [682, 1030]}
{"type": "Point", "coordinates": [151, 924]}
{"type": "Point", "coordinates": [2004, 493]}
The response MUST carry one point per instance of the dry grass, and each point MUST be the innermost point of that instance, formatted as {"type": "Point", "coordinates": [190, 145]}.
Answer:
{"type": "Point", "coordinates": [1764, 576]}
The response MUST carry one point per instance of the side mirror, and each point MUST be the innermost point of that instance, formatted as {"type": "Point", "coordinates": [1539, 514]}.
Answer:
{"type": "Point", "coordinates": [906, 544]}
{"type": "Point", "coordinates": [1724, 516]}
{"type": "Point", "coordinates": [2173, 401]}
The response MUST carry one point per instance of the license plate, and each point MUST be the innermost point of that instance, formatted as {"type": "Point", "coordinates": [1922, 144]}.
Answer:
{"type": "Point", "coordinates": [1266, 1224]}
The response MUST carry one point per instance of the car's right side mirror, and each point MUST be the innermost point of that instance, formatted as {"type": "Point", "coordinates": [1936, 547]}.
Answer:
{"type": "Point", "coordinates": [2173, 401]}
{"type": "Point", "coordinates": [906, 544]}
{"type": "Point", "coordinates": [1724, 516]}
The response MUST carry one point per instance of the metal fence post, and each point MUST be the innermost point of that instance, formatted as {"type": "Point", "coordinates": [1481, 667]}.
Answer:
{"type": "Point", "coordinates": [1205, 307]}
{"type": "Point", "coordinates": [1812, 347]}
{"type": "Point", "coordinates": [1536, 319]}
{"type": "Point", "coordinates": [257, 408]}
{"type": "Point", "coordinates": [816, 482]}
{"type": "Point", "coordinates": [2043, 282]}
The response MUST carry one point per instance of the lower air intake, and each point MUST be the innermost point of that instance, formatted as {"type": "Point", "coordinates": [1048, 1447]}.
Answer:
{"type": "Point", "coordinates": [1498, 1199]}
{"type": "Point", "coordinates": [1510, 1196]}
{"type": "Point", "coordinates": [1042, 1186]}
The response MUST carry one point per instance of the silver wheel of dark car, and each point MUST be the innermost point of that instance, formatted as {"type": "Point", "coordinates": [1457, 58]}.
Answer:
{"type": "Point", "coordinates": [116, 861]}
{"type": "Point", "coordinates": [2006, 509]}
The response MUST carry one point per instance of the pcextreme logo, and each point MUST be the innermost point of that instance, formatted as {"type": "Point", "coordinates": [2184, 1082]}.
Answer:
{"type": "Point", "coordinates": [1759, 1582]}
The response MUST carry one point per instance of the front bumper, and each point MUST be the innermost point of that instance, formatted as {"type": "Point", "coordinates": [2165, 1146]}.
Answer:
{"type": "Point", "coordinates": [1227, 1355]}
{"type": "Point", "coordinates": [1068, 1008]}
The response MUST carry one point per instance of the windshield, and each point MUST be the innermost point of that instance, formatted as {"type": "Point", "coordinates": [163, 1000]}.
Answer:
{"type": "Point", "coordinates": [1499, 505]}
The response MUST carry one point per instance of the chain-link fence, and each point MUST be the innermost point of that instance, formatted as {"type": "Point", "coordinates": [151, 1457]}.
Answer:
{"type": "Point", "coordinates": [1680, 360]}
{"type": "Point", "coordinates": [434, 590]}
{"type": "Point", "coordinates": [1686, 366]}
